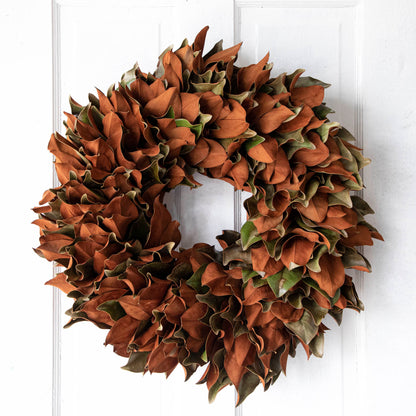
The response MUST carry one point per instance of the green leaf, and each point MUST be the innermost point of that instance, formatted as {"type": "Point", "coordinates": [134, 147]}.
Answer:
{"type": "Point", "coordinates": [292, 76]}
{"type": "Point", "coordinates": [305, 328]}
{"type": "Point", "coordinates": [291, 136]}
{"type": "Point", "coordinates": [351, 258]}
{"type": "Point", "coordinates": [295, 299]}
{"type": "Point", "coordinates": [310, 282]}
{"type": "Point", "coordinates": [179, 272]}
{"type": "Point", "coordinates": [327, 181]}
{"type": "Point", "coordinates": [97, 116]}
{"type": "Point", "coordinates": [221, 382]}
{"type": "Point", "coordinates": [311, 189]}
{"type": "Point", "coordinates": [203, 78]}
{"type": "Point", "coordinates": [344, 134]}
{"type": "Point", "coordinates": [318, 313]}
{"type": "Point", "coordinates": [309, 82]}
{"type": "Point", "coordinates": [152, 172]}
{"type": "Point", "coordinates": [195, 280]}
{"type": "Point", "coordinates": [271, 246]}
{"type": "Point", "coordinates": [140, 230]}
{"type": "Point", "coordinates": [216, 322]}
{"type": "Point", "coordinates": [195, 128]}
{"type": "Point", "coordinates": [216, 48]}
{"type": "Point", "coordinates": [351, 295]}
{"type": "Point", "coordinates": [113, 308]}
{"type": "Point", "coordinates": [254, 141]}
{"type": "Point", "coordinates": [354, 186]}
{"type": "Point", "coordinates": [156, 268]}
{"type": "Point", "coordinates": [83, 115]}
{"type": "Point", "coordinates": [270, 194]}
{"type": "Point", "coordinates": [336, 297]}
{"type": "Point", "coordinates": [293, 147]}
{"type": "Point", "coordinates": [322, 111]}
{"type": "Point", "coordinates": [324, 130]}
{"type": "Point", "coordinates": [274, 281]}
{"type": "Point", "coordinates": [296, 111]}
{"type": "Point", "coordinates": [137, 362]}
{"type": "Point", "coordinates": [110, 90]}
{"type": "Point", "coordinates": [313, 264]}
{"type": "Point", "coordinates": [86, 269]}
{"type": "Point", "coordinates": [204, 118]}
{"type": "Point", "coordinates": [336, 313]}
{"type": "Point", "coordinates": [317, 345]}
{"type": "Point", "coordinates": [160, 70]}
{"type": "Point", "coordinates": [361, 206]}
{"type": "Point", "coordinates": [275, 85]}
{"type": "Point", "coordinates": [283, 281]}
{"type": "Point", "coordinates": [242, 96]}
{"type": "Point", "coordinates": [170, 113]}
{"type": "Point", "coordinates": [233, 311]}
{"type": "Point", "coordinates": [340, 198]}
{"type": "Point", "coordinates": [248, 274]}
{"type": "Point", "coordinates": [247, 385]}
{"type": "Point", "coordinates": [128, 77]}
{"type": "Point", "coordinates": [332, 236]}
{"type": "Point", "coordinates": [291, 277]}
{"type": "Point", "coordinates": [249, 235]}
{"type": "Point", "coordinates": [75, 107]}
{"type": "Point", "coordinates": [361, 160]}
{"type": "Point", "coordinates": [236, 253]}
{"type": "Point", "coordinates": [259, 281]}
{"type": "Point", "coordinates": [229, 237]}
{"type": "Point", "coordinates": [217, 87]}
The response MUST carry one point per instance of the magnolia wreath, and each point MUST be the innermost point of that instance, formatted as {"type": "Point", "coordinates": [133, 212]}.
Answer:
{"type": "Point", "coordinates": [240, 311]}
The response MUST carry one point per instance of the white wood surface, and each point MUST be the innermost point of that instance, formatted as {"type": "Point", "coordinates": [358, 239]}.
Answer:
{"type": "Point", "coordinates": [364, 48]}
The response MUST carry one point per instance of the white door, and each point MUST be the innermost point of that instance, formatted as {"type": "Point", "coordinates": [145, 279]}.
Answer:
{"type": "Point", "coordinates": [364, 48]}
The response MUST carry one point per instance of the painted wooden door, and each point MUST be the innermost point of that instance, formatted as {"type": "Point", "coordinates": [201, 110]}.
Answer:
{"type": "Point", "coordinates": [361, 48]}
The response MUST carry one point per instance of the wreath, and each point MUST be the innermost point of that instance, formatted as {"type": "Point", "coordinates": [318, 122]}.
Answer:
{"type": "Point", "coordinates": [240, 311]}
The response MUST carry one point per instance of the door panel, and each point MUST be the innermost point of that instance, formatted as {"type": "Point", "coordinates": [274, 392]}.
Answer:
{"type": "Point", "coordinates": [98, 41]}
{"type": "Point", "coordinates": [321, 38]}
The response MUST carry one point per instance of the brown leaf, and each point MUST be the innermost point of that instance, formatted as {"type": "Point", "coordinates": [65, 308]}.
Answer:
{"type": "Point", "coordinates": [189, 106]}
{"type": "Point", "coordinates": [158, 106]}
{"type": "Point", "coordinates": [191, 321]}
{"type": "Point", "coordinates": [225, 55]}
{"type": "Point", "coordinates": [231, 122]}
{"type": "Point", "coordinates": [216, 155]}
{"type": "Point", "coordinates": [121, 334]}
{"type": "Point", "coordinates": [132, 307]}
{"type": "Point", "coordinates": [286, 312]}
{"type": "Point", "coordinates": [199, 41]}
{"type": "Point", "coordinates": [316, 209]}
{"type": "Point", "coordinates": [253, 74]}
{"type": "Point", "coordinates": [241, 355]}
{"type": "Point", "coordinates": [215, 278]}
{"type": "Point", "coordinates": [332, 274]}
{"type": "Point", "coordinates": [162, 229]}
{"type": "Point", "coordinates": [163, 359]}
{"type": "Point", "coordinates": [60, 282]}
{"type": "Point", "coordinates": [296, 252]}
{"type": "Point", "coordinates": [273, 119]}
{"type": "Point", "coordinates": [312, 157]}
{"type": "Point", "coordinates": [311, 96]}
{"type": "Point", "coordinates": [173, 70]}
{"type": "Point", "coordinates": [266, 151]}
